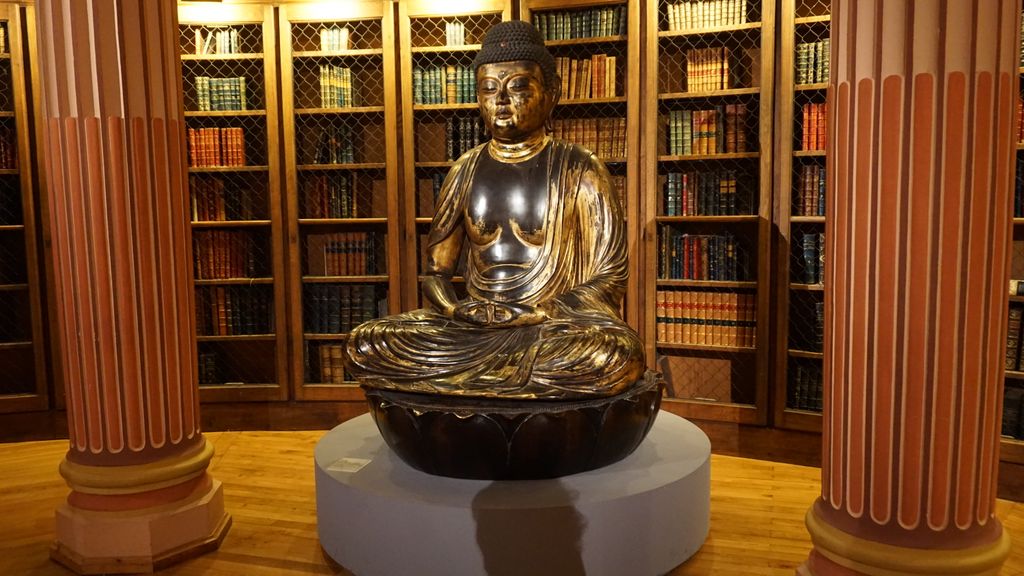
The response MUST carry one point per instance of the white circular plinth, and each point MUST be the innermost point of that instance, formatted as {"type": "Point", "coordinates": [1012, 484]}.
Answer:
{"type": "Point", "coordinates": [641, 516]}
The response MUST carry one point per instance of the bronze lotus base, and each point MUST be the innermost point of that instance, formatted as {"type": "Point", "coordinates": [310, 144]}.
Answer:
{"type": "Point", "coordinates": [491, 439]}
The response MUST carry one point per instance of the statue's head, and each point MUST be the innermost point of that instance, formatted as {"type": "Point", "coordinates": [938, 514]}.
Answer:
{"type": "Point", "coordinates": [516, 80]}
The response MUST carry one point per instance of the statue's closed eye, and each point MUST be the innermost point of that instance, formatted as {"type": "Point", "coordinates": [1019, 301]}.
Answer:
{"type": "Point", "coordinates": [533, 237]}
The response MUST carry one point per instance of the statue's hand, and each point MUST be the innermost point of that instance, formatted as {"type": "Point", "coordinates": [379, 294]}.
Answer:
{"type": "Point", "coordinates": [498, 314]}
{"type": "Point", "coordinates": [474, 312]}
{"type": "Point", "coordinates": [505, 314]}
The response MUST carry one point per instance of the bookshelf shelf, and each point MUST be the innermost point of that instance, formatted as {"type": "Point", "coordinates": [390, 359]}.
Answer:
{"type": "Point", "coordinates": [444, 49]}
{"type": "Point", "coordinates": [806, 354]}
{"type": "Point", "coordinates": [706, 348]}
{"type": "Point", "coordinates": [238, 338]}
{"type": "Point", "coordinates": [710, 157]}
{"type": "Point", "coordinates": [221, 57]}
{"type": "Point", "coordinates": [585, 41]}
{"type": "Point", "coordinates": [1015, 375]}
{"type": "Point", "coordinates": [15, 345]}
{"type": "Point", "coordinates": [342, 221]}
{"type": "Point", "coordinates": [808, 287]}
{"type": "Point", "coordinates": [592, 101]}
{"type": "Point", "coordinates": [346, 166]}
{"type": "Point", "coordinates": [812, 19]}
{"type": "Point", "coordinates": [238, 231]}
{"type": "Point", "coordinates": [1011, 450]}
{"type": "Point", "coordinates": [444, 107]}
{"type": "Point", "coordinates": [738, 28]}
{"type": "Point", "coordinates": [706, 284]}
{"type": "Point", "coordinates": [234, 282]}
{"type": "Point", "coordinates": [742, 218]}
{"type": "Point", "coordinates": [354, 53]}
{"type": "Point", "coordinates": [811, 87]}
{"type": "Point", "coordinates": [1018, 221]}
{"type": "Point", "coordinates": [327, 337]}
{"type": "Point", "coordinates": [807, 219]}
{"type": "Point", "coordinates": [809, 153]}
{"type": "Point", "coordinates": [1015, 298]}
{"type": "Point", "coordinates": [364, 279]}
{"type": "Point", "coordinates": [442, 164]}
{"type": "Point", "coordinates": [227, 169]}
{"type": "Point", "coordinates": [348, 110]}
{"type": "Point", "coordinates": [224, 113]}
{"type": "Point", "coordinates": [22, 214]}
{"type": "Point", "coordinates": [710, 94]}
{"type": "Point", "coordinates": [230, 223]}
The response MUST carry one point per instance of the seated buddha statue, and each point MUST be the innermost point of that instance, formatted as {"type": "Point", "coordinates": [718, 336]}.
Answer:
{"type": "Point", "coordinates": [541, 235]}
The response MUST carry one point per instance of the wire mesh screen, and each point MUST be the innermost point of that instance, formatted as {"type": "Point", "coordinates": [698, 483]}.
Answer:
{"type": "Point", "coordinates": [340, 138]}
{"type": "Point", "coordinates": [223, 197]}
{"type": "Point", "coordinates": [804, 386]}
{"type": "Point", "coordinates": [813, 8]}
{"type": "Point", "coordinates": [451, 30]}
{"type": "Point", "coordinates": [10, 200]}
{"type": "Point", "coordinates": [236, 362]}
{"type": "Point", "coordinates": [15, 323]}
{"type": "Point", "coordinates": [224, 91]}
{"type": "Point", "coordinates": [343, 193]}
{"type": "Point", "coordinates": [13, 269]}
{"type": "Point", "coordinates": [6, 79]}
{"type": "Point", "coordinates": [340, 150]}
{"type": "Point", "coordinates": [807, 207]}
{"type": "Point", "coordinates": [19, 369]}
{"type": "Point", "coordinates": [709, 84]}
{"type": "Point", "coordinates": [446, 121]}
{"type": "Point", "coordinates": [343, 251]}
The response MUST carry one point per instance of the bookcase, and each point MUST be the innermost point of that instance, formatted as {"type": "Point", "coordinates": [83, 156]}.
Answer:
{"type": "Point", "coordinates": [707, 204]}
{"type": "Point", "coordinates": [1012, 445]}
{"type": "Point", "coordinates": [804, 49]}
{"type": "Point", "coordinates": [229, 80]}
{"type": "Point", "coordinates": [439, 111]}
{"type": "Point", "coordinates": [596, 45]}
{"type": "Point", "coordinates": [341, 164]}
{"type": "Point", "coordinates": [22, 344]}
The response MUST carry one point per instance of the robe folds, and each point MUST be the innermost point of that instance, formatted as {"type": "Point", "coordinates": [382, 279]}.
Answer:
{"type": "Point", "coordinates": [583, 350]}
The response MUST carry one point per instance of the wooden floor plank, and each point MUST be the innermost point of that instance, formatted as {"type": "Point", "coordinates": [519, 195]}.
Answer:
{"type": "Point", "coordinates": [757, 511]}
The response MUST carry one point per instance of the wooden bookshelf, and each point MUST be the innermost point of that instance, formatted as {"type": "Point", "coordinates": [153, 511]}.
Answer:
{"type": "Point", "coordinates": [604, 113]}
{"type": "Point", "coordinates": [1012, 449]}
{"type": "Point", "coordinates": [341, 176]}
{"type": "Point", "coordinates": [709, 198]}
{"type": "Point", "coordinates": [430, 116]}
{"type": "Point", "coordinates": [229, 78]}
{"type": "Point", "coordinates": [799, 214]}
{"type": "Point", "coordinates": [22, 328]}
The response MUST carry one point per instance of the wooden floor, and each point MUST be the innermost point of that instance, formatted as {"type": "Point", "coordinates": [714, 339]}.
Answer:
{"type": "Point", "coordinates": [757, 511]}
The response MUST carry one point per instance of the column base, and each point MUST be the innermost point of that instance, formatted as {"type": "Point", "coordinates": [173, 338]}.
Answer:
{"type": "Point", "coordinates": [839, 553]}
{"type": "Point", "coordinates": [140, 541]}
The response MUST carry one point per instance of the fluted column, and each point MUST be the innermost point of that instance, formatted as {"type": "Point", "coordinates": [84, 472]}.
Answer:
{"type": "Point", "coordinates": [920, 168]}
{"type": "Point", "coordinates": [140, 494]}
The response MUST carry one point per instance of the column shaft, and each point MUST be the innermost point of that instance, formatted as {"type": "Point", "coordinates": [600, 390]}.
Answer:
{"type": "Point", "coordinates": [122, 264]}
{"type": "Point", "coordinates": [920, 183]}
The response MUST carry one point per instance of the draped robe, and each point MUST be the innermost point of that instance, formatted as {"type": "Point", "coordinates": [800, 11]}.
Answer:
{"type": "Point", "coordinates": [583, 350]}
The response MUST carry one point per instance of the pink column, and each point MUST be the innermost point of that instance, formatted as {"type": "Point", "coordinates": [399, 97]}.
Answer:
{"type": "Point", "coordinates": [140, 494]}
{"type": "Point", "coordinates": [920, 188]}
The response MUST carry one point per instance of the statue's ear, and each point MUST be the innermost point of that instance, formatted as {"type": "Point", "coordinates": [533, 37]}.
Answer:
{"type": "Point", "coordinates": [556, 91]}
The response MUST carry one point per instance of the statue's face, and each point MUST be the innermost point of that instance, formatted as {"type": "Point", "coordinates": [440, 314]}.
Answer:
{"type": "Point", "coordinates": [513, 100]}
